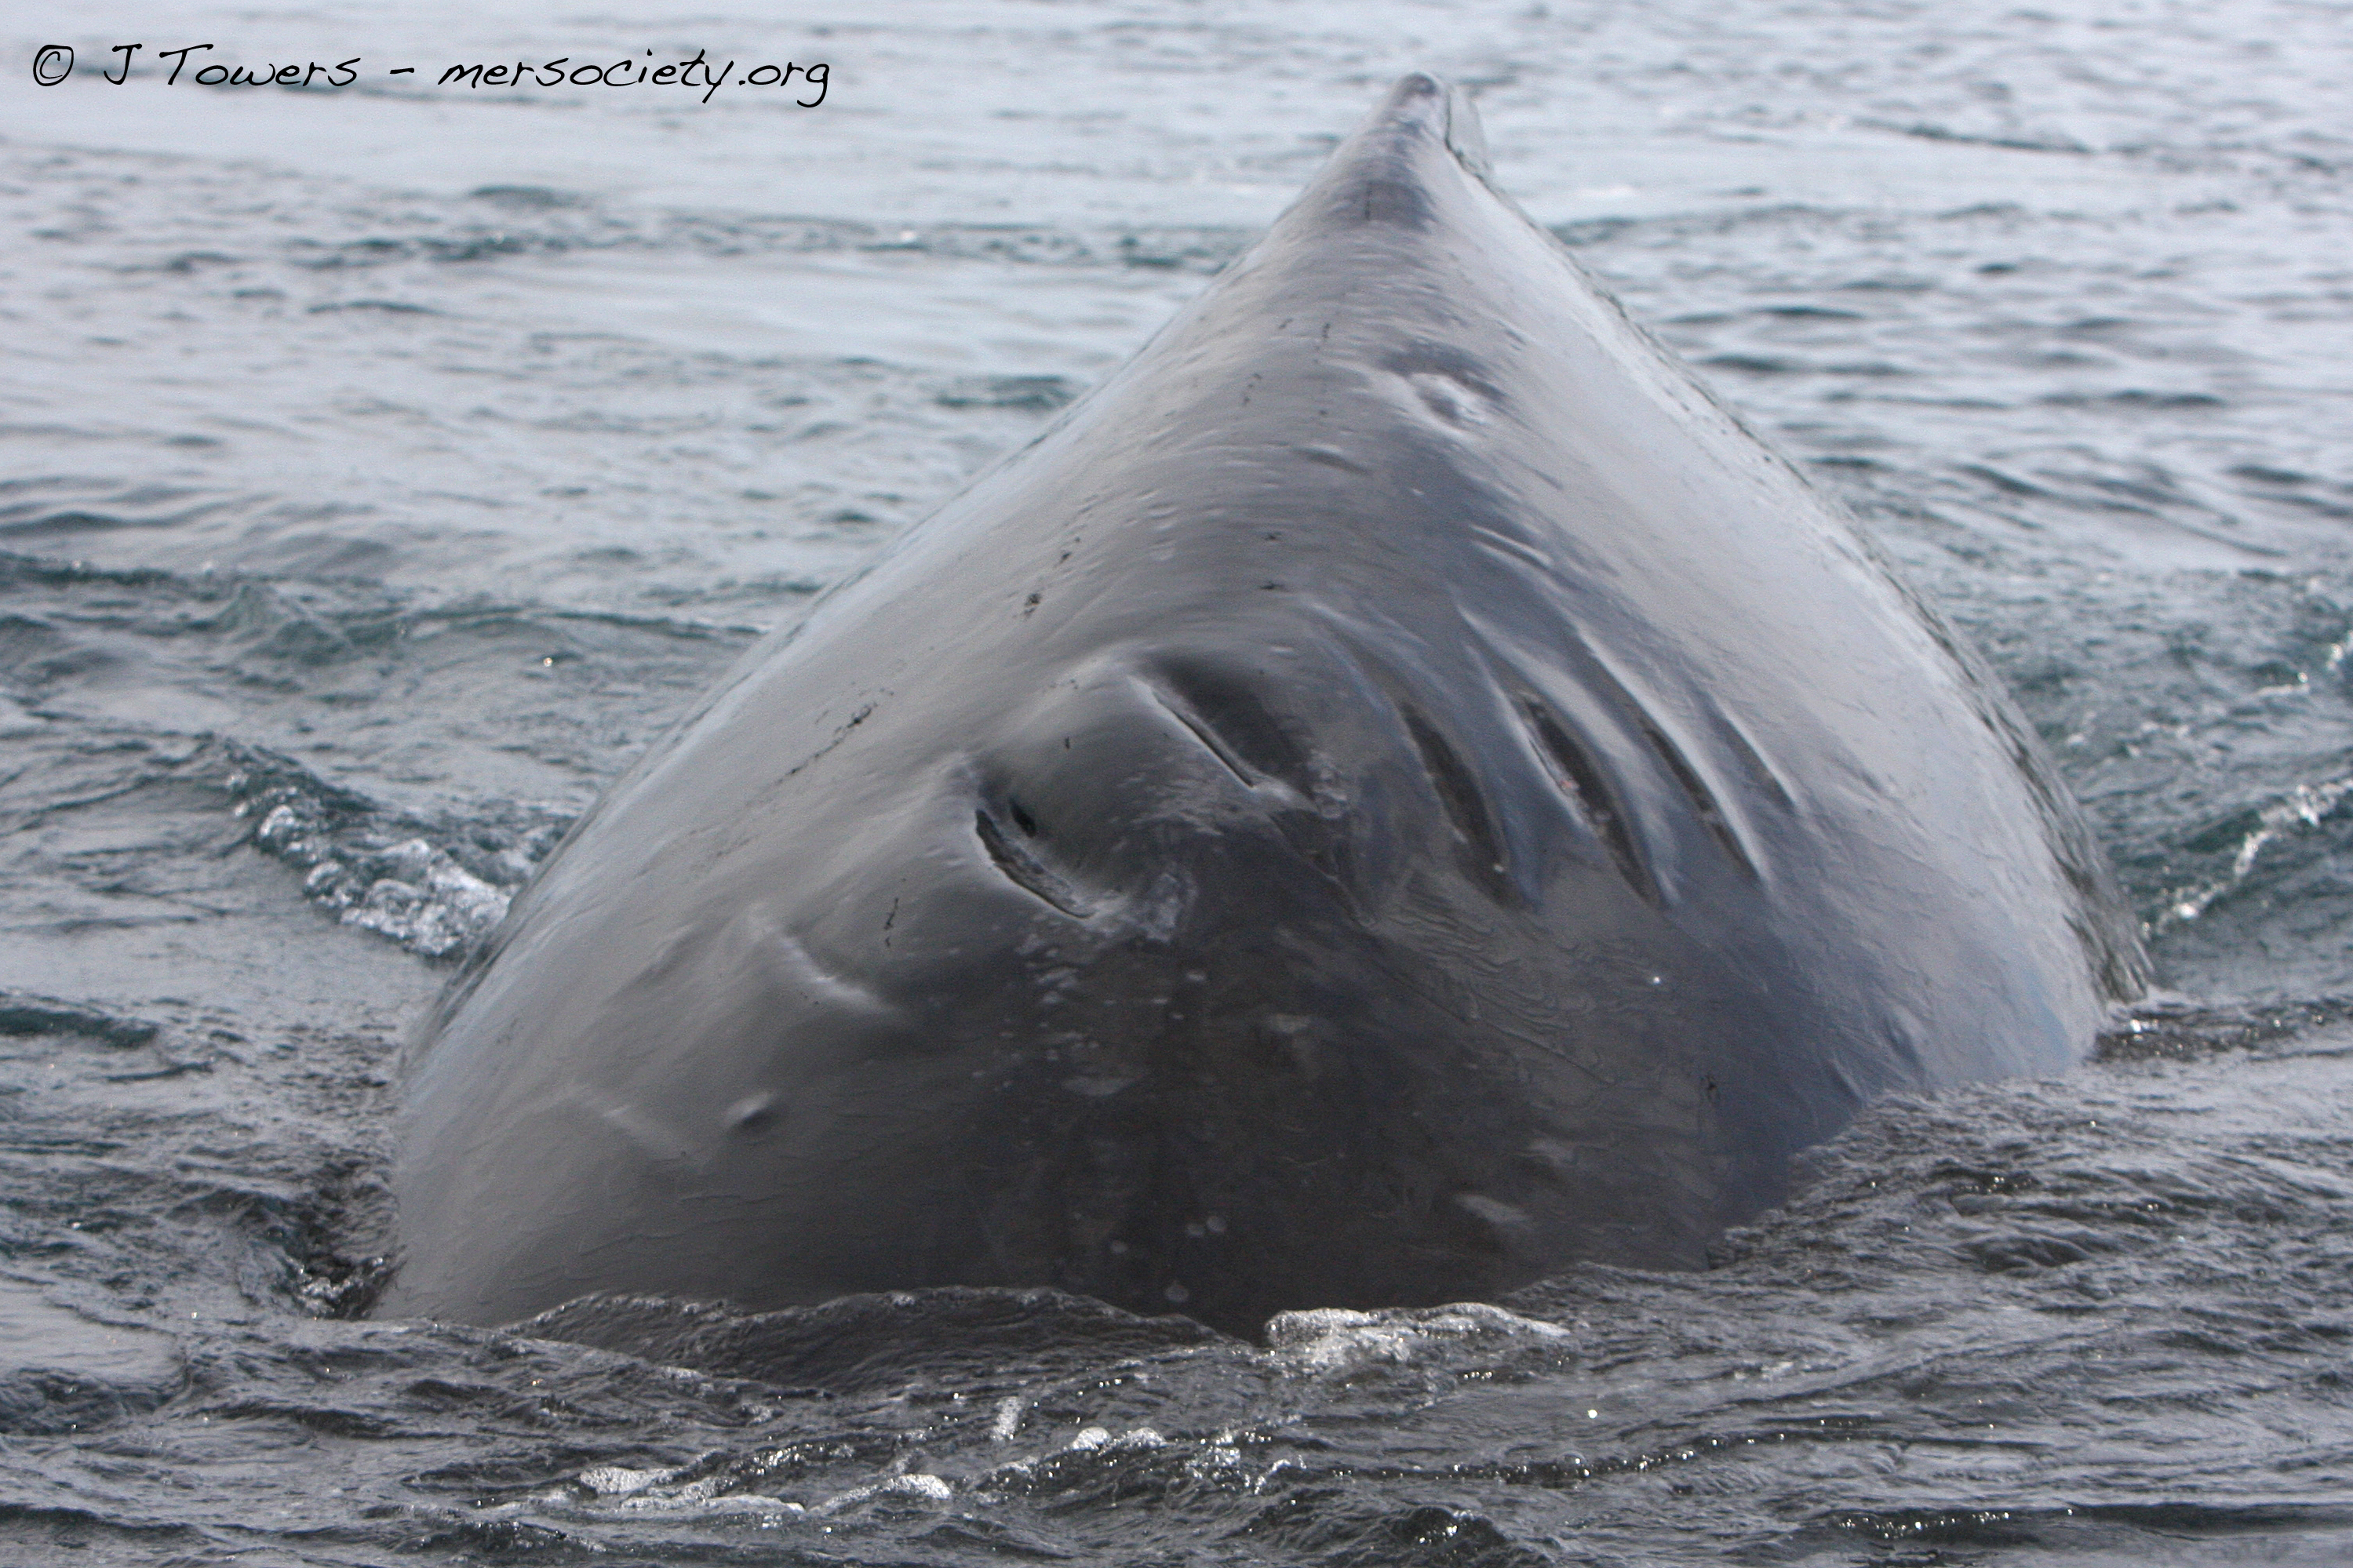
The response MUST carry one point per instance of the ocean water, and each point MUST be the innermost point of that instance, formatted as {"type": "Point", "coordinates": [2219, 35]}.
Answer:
{"type": "Point", "coordinates": [381, 467]}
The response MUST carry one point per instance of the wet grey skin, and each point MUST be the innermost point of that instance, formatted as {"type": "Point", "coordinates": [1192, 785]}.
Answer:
{"type": "Point", "coordinates": [1394, 794]}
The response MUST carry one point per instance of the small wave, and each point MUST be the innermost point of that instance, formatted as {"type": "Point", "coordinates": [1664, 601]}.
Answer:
{"type": "Point", "coordinates": [60, 1371]}
{"type": "Point", "coordinates": [2133, 398]}
{"type": "Point", "coordinates": [24, 1015]}
{"type": "Point", "coordinates": [93, 507]}
{"type": "Point", "coordinates": [1338, 1340]}
{"type": "Point", "coordinates": [2018, 141]}
{"type": "Point", "coordinates": [526, 198]}
{"type": "Point", "coordinates": [722, 1486]}
{"type": "Point", "coordinates": [438, 888]}
{"type": "Point", "coordinates": [2169, 1532]}
{"type": "Point", "coordinates": [552, 223]}
{"type": "Point", "coordinates": [389, 306]}
{"type": "Point", "coordinates": [2177, 1030]}
{"type": "Point", "coordinates": [1042, 392]}
{"type": "Point", "coordinates": [2245, 834]}
{"type": "Point", "coordinates": [1756, 365]}
{"type": "Point", "coordinates": [1671, 228]}
{"type": "Point", "coordinates": [711, 1488]}
{"type": "Point", "coordinates": [866, 1342]}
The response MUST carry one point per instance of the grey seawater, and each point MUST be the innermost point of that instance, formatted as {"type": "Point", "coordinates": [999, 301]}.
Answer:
{"type": "Point", "coordinates": [379, 470]}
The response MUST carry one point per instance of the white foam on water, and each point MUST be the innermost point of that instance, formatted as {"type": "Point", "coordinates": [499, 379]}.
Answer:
{"type": "Point", "coordinates": [1335, 1339]}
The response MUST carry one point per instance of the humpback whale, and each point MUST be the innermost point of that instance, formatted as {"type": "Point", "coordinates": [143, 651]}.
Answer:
{"type": "Point", "coordinates": [1394, 792]}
